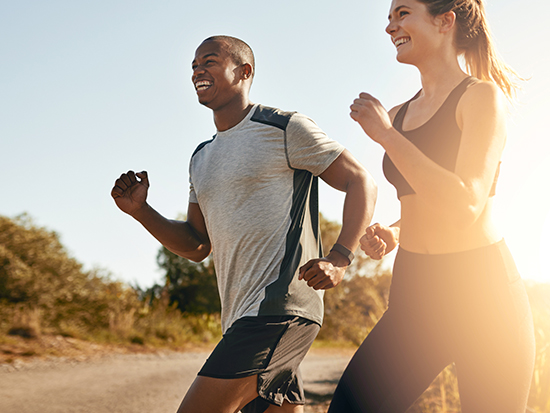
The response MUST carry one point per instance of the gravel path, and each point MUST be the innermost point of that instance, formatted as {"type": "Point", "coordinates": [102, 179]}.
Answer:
{"type": "Point", "coordinates": [153, 383]}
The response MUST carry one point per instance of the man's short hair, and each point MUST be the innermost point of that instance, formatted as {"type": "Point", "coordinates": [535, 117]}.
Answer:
{"type": "Point", "coordinates": [239, 51]}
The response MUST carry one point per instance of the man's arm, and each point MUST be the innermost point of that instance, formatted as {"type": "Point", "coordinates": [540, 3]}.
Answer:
{"type": "Point", "coordinates": [188, 239]}
{"type": "Point", "coordinates": [348, 175]}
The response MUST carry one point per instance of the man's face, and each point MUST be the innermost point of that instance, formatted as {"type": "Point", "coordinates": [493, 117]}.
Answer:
{"type": "Point", "coordinates": [215, 75]}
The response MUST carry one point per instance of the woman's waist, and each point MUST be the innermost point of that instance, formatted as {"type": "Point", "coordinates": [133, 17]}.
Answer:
{"type": "Point", "coordinates": [456, 284]}
{"type": "Point", "coordinates": [429, 235]}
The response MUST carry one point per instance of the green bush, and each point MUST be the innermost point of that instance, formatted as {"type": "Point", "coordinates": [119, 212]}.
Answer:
{"type": "Point", "coordinates": [45, 291]}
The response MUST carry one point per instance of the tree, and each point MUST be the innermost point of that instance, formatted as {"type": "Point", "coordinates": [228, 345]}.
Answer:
{"type": "Point", "coordinates": [191, 285]}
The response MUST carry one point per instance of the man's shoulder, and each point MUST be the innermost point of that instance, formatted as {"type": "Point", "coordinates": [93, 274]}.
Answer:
{"type": "Point", "coordinates": [272, 116]}
{"type": "Point", "coordinates": [202, 145]}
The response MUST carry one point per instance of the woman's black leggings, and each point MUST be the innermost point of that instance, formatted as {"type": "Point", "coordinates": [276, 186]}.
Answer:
{"type": "Point", "coordinates": [468, 308]}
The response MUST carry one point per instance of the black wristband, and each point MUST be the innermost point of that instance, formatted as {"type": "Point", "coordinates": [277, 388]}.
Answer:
{"type": "Point", "coordinates": [344, 251]}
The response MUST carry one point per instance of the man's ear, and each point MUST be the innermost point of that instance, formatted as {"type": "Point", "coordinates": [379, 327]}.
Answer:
{"type": "Point", "coordinates": [446, 21]}
{"type": "Point", "coordinates": [246, 71]}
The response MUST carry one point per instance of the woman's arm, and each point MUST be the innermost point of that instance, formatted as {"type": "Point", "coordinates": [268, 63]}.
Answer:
{"type": "Point", "coordinates": [461, 195]}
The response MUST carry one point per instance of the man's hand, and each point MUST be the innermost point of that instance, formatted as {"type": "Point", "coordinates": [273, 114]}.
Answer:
{"type": "Point", "coordinates": [324, 273]}
{"type": "Point", "coordinates": [129, 193]}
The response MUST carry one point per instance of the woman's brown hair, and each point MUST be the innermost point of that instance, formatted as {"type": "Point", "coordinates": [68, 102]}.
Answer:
{"type": "Point", "coordinates": [473, 39]}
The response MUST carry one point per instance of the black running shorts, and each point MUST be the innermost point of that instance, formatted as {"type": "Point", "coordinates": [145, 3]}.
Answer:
{"type": "Point", "coordinates": [271, 347]}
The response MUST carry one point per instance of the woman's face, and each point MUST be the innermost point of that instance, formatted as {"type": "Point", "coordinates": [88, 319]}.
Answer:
{"type": "Point", "coordinates": [413, 30]}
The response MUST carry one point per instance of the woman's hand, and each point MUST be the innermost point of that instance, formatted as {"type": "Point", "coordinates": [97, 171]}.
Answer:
{"type": "Point", "coordinates": [379, 240]}
{"type": "Point", "coordinates": [371, 115]}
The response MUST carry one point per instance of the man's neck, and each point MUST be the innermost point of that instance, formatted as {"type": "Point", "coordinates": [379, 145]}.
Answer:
{"type": "Point", "coordinates": [231, 115]}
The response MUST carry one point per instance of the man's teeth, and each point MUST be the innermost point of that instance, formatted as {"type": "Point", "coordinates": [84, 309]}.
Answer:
{"type": "Point", "coordinates": [202, 85]}
{"type": "Point", "coordinates": [400, 41]}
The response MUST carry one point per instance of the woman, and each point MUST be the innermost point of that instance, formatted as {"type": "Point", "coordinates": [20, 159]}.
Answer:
{"type": "Point", "coordinates": [456, 296]}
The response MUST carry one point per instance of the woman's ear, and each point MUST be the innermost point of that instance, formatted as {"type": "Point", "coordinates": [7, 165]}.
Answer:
{"type": "Point", "coordinates": [446, 21]}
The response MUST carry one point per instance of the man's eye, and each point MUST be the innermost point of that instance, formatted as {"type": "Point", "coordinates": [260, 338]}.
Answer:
{"type": "Point", "coordinates": [403, 13]}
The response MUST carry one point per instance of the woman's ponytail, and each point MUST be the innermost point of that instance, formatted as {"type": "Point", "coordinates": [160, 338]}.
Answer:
{"type": "Point", "coordinates": [473, 39]}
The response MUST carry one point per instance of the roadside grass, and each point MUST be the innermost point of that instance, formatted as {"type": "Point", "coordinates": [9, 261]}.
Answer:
{"type": "Point", "coordinates": [154, 327]}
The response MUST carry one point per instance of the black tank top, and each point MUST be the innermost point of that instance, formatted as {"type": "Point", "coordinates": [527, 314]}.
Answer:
{"type": "Point", "coordinates": [438, 138]}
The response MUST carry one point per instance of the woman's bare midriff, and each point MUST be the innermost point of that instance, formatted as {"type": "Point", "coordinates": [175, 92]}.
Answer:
{"type": "Point", "coordinates": [427, 231]}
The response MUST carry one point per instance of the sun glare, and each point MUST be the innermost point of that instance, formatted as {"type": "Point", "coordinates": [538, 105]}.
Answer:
{"type": "Point", "coordinates": [545, 250]}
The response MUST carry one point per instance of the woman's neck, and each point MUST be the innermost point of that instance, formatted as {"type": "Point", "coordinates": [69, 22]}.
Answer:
{"type": "Point", "coordinates": [440, 76]}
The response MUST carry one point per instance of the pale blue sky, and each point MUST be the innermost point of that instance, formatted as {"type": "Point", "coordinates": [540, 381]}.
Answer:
{"type": "Point", "coordinates": [90, 89]}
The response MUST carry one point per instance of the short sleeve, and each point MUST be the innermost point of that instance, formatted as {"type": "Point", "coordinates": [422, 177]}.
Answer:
{"type": "Point", "coordinates": [192, 194]}
{"type": "Point", "coordinates": [308, 147]}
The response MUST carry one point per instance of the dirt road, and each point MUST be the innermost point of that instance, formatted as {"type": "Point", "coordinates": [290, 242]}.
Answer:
{"type": "Point", "coordinates": [135, 383]}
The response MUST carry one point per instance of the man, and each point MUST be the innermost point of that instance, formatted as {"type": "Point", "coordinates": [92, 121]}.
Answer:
{"type": "Point", "coordinates": [253, 201]}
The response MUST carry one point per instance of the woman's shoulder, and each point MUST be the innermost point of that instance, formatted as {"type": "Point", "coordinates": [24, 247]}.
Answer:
{"type": "Point", "coordinates": [481, 97]}
{"type": "Point", "coordinates": [393, 111]}
{"type": "Point", "coordinates": [481, 91]}
{"type": "Point", "coordinates": [482, 103]}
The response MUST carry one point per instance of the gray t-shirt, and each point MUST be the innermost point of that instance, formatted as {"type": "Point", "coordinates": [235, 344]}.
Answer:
{"type": "Point", "coordinates": [256, 185]}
